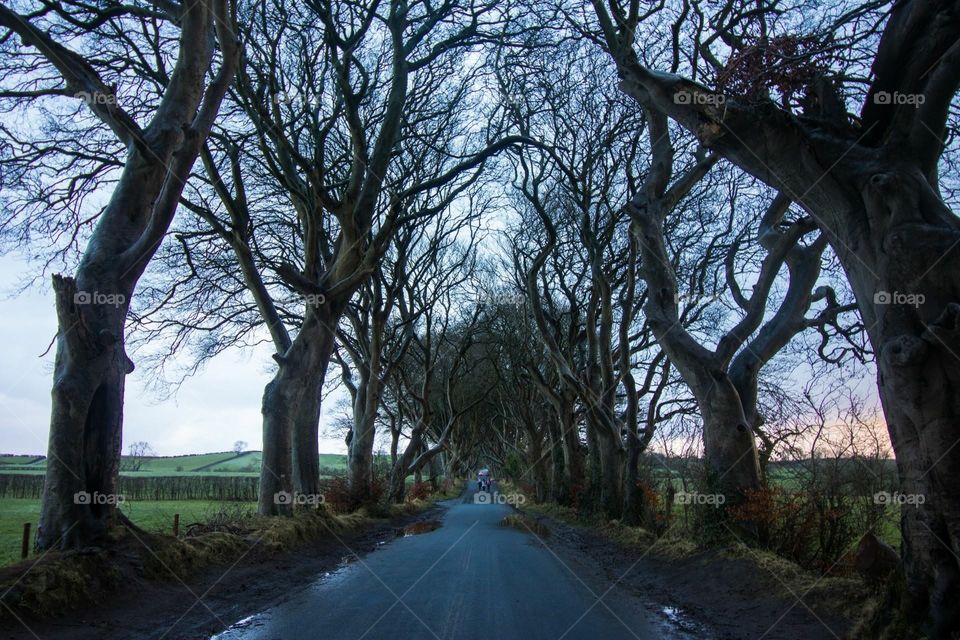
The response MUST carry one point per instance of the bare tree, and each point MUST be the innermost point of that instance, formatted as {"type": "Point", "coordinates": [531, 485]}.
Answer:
{"type": "Point", "coordinates": [581, 177]}
{"type": "Point", "coordinates": [137, 453]}
{"type": "Point", "coordinates": [724, 379]}
{"type": "Point", "coordinates": [377, 338]}
{"type": "Point", "coordinates": [434, 303]}
{"type": "Point", "coordinates": [91, 363]}
{"type": "Point", "coordinates": [871, 183]}
{"type": "Point", "coordinates": [349, 148]}
{"type": "Point", "coordinates": [581, 276]}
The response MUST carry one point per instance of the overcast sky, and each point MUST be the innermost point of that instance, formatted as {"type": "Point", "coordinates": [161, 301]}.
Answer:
{"type": "Point", "coordinates": [210, 412]}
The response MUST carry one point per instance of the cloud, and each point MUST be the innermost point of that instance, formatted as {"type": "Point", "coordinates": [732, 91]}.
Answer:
{"type": "Point", "coordinates": [211, 411]}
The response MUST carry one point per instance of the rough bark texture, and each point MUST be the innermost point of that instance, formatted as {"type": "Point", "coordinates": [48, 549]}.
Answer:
{"type": "Point", "coordinates": [611, 457]}
{"type": "Point", "coordinates": [91, 363]}
{"type": "Point", "coordinates": [918, 375]}
{"type": "Point", "coordinates": [366, 402]}
{"type": "Point", "coordinates": [291, 414]}
{"type": "Point", "coordinates": [572, 449]}
{"type": "Point", "coordinates": [564, 432]}
{"type": "Point", "coordinates": [86, 422]}
{"type": "Point", "coordinates": [559, 486]}
{"type": "Point", "coordinates": [360, 459]}
{"type": "Point", "coordinates": [539, 467]}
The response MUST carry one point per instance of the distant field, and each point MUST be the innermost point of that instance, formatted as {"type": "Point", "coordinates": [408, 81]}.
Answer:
{"type": "Point", "coordinates": [150, 515]}
{"type": "Point", "coordinates": [787, 475]}
{"type": "Point", "coordinates": [225, 462]}
{"type": "Point", "coordinates": [18, 460]}
{"type": "Point", "coordinates": [199, 477]}
{"type": "Point", "coordinates": [191, 463]}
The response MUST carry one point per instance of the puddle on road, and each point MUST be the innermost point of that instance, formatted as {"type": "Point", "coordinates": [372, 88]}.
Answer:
{"type": "Point", "coordinates": [418, 528]}
{"type": "Point", "coordinates": [238, 628]}
{"type": "Point", "coordinates": [679, 621]}
{"type": "Point", "coordinates": [672, 613]}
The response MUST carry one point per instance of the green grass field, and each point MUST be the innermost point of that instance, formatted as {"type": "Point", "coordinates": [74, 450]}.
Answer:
{"type": "Point", "coordinates": [13, 513]}
{"type": "Point", "coordinates": [150, 515]}
{"type": "Point", "coordinates": [180, 464]}
{"type": "Point", "coordinates": [224, 462]}
{"type": "Point", "coordinates": [154, 516]}
{"type": "Point", "coordinates": [17, 460]}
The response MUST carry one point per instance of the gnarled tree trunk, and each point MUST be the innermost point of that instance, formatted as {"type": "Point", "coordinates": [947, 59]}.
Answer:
{"type": "Point", "coordinates": [291, 414]}
{"type": "Point", "coordinates": [559, 489]}
{"type": "Point", "coordinates": [80, 487]}
{"type": "Point", "coordinates": [873, 187]}
{"type": "Point", "coordinates": [366, 397]}
{"type": "Point", "coordinates": [916, 335]}
{"type": "Point", "coordinates": [360, 455]}
{"type": "Point", "coordinates": [79, 495]}
{"type": "Point", "coordinates": [575, 475]}
{"type": "Point", "coordinates": [733, 466]}
{"type": "Point", "coordinates": [611, 456]}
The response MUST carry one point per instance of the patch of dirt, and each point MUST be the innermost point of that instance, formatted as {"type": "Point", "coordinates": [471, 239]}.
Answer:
{"type": "Point", "coordinates": [728, 598]}
{"type": "Point", "coordinates": [209, 601]}
{"type": "Point", "coordinates": [417, 528]}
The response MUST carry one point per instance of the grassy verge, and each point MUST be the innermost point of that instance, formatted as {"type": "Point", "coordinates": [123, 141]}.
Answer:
{"type": "Point", "coordinates": [671, 545]}
{"type": "Point", "coordinates": [13, 513]}
{"type": "Point", "coordinates": [847, 596]}
{"type": "Point", "coordinates": [450, 489]}
{"type": "Point", "coordinates": [154, 516]}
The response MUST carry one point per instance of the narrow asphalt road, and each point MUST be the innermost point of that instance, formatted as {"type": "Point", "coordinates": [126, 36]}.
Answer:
{"type": "Point", "coordinates": [469, 579]}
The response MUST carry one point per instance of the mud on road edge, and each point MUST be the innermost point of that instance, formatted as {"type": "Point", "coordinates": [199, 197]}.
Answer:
{"type": "Point", "coordinates": [207, 601]}
{"type": "Point", "coordinates": [712, 593]}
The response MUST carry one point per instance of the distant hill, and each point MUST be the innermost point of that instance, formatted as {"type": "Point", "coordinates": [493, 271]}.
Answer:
{"type": "Point", "coordinates": [222, 462]}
